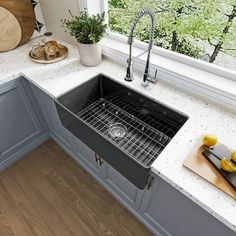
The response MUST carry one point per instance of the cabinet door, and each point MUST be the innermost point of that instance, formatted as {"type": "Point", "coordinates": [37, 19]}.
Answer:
{"type": "Point", "coordinates": [57, 131]}
{"type": "Point", "coordinates": [86, 157]}
{"type": "Point", "coordinates": [123, 188]}
{"type": "Point", "coordinates": [19, 125]}
{"type": "Point", "coordinates": [172, 213]}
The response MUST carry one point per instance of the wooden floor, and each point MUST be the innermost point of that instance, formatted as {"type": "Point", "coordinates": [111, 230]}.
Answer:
{"type": "Point", "coordinates": [47, 193]}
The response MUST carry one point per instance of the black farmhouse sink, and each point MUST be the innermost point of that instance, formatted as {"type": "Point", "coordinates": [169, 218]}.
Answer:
{"type": "Point", "coordinates": [125, 128]}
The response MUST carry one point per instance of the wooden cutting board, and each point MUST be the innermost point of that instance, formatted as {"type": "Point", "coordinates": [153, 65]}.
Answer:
{"type": "Point", "coordinates": [197, 163]}
{"type": "Point", "coordinates": [10, 30]}
{"type": "Point", "coordinates": [22, 11]}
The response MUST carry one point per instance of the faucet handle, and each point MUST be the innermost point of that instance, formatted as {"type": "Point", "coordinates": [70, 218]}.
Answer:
{"type": "Point", "coordinates": [154, 80]}
{"type": "Point", "coordinates": [155, 77]}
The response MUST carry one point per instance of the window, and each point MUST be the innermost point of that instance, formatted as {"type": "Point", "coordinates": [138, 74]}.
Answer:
{"type": "Point", "coordinates": [201, 29]}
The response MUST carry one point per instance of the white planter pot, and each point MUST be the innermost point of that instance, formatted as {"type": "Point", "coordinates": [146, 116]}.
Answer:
{"type": "Point", "coordinates": [90, 54]}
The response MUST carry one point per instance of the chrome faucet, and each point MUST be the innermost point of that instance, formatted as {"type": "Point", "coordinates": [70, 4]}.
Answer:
{"type": "Point", "coordinates": [129, 71]}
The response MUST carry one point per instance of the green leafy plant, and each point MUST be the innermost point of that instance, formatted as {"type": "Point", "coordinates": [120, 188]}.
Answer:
{"type": "Point", "coordinates": [118, 3]}
{"type": "Point", "coordinates": [86, 29]}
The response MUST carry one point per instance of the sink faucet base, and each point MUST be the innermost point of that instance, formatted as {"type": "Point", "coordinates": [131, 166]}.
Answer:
{"type": "Point", "coordinates": [145, 84]}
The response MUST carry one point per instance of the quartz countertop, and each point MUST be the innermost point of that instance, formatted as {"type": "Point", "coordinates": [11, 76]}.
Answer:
{"type": "Point", "coordinates": [58, 78]}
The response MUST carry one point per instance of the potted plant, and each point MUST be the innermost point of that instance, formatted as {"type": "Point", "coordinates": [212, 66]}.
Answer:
{"type": "Point", "coordinates": [88, 30]}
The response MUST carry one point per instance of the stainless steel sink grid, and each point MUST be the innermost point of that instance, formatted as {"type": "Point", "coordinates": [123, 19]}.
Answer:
{"type": "Point", "coordinates": [125, 128]}
{"type": "Point", "coordinates": [142, 142]}
{"type": "Point", "coordinates": [145, 114]}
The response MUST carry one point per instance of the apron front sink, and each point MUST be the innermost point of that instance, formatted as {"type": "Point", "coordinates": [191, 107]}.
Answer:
{"type": "Point", "coordinates": [125, 128]}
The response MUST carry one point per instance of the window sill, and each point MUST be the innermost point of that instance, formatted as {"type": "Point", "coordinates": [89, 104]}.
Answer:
{"type": "Point", "coordinates": [218, 88]}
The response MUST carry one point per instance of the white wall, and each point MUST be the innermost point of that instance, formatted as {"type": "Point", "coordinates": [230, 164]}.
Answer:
{"type": "Point", "coordinates": [94, 6]}
{"type": "Point", "coordinates": [54, 11]}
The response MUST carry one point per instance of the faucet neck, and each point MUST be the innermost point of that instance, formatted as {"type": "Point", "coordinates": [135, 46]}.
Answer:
{"type": "Point", "coordinates": [145, 11]}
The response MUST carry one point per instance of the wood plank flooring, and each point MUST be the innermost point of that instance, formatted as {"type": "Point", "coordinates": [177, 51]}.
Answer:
{"type": "Point", "coordinates": [48, 193]}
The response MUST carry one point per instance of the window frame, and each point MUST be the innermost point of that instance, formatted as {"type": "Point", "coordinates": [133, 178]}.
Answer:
{"type": "Point", "coordinates": [204, 88]}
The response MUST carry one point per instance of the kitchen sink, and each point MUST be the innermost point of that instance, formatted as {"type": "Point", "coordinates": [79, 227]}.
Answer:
{"type": "Point", "coordinates": [124, 127]}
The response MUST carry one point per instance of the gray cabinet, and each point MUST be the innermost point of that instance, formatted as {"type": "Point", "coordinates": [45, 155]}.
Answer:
{"type": "Point", "coordinates": [111, 179]}
{"type": "Point", "coordinates": [20, 127]}
{"type": "Point", "coordinates": [49, 112]}
{"type": "Point", "coordinates": [85, 156]}
{"type": "Point", "coordinates": [123, 188]}
{"type": "Point", "coordinates": [171, 213]}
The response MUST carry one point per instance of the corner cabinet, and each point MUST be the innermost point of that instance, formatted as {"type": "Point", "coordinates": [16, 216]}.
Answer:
{"type": "Point", "coordinates": [20, 127]}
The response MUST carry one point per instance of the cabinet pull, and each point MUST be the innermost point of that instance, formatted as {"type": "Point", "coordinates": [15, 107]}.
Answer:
{"type": "Point", "coordinates": [100, 161]}
{"type": "Point", "coordinates": [150, 183]}
{"type": "Point", "coordinates": [97, 157]}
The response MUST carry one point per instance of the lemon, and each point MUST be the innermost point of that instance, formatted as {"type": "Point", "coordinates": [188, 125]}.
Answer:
{"type": "Point", "coordinates": [227, 165]}
{"type": "Point", "coordinates": [209, 140]}
{"type": "Point", "coordinates": [233, 156]}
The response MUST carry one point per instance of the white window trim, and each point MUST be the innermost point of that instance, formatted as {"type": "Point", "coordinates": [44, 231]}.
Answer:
{"type": "Point", "coordinates": [208, 67]}
{"type": "Point", "coordinates": [209, 81]}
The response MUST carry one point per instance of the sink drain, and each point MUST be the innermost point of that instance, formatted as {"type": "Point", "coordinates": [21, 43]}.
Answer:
{"type": "Point", "coordinates": [117, 131]}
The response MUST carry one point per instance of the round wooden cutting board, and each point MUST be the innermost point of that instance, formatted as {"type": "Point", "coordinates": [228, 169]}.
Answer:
{"type": "Point", "coordinates": [23, 12]}
{"type": "Point", "coordinates": [10, 30]}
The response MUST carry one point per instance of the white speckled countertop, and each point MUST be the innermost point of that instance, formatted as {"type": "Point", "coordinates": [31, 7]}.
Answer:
{"type": "Point", "coordinates": [58, 78]}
